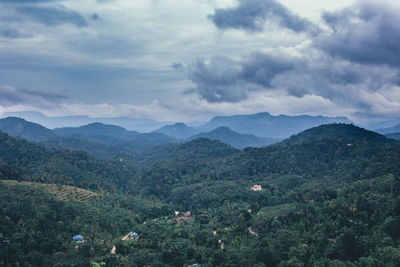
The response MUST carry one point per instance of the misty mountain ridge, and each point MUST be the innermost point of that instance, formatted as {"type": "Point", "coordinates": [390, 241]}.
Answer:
{"type": "Point", "coordinates": [178, 130]}
{"type": "Point", "coordinates": [267, 125]}
{"type": "Point", "coordinates": [97, 129]}
{"type": "Point", "coordinates": [375, 126]}
{"type": "Point", "coordinates": [113, 135]}
{"type": "Point", "coordinates": [97, 139]}
{"type": "Point", "coordinates": [390, 130]}
{"type": "Point", "coordinates": [93, 137]}
{"type": "Point", "coordinates": [260, 124]}
{"type": "Point", "coordinates": [393, 136]}
{"type": "Point", "coordinates": [134, 142]}
{"type": "Point", "coordinates": [237, 140]}
{"type": "Point", "coordinates": [52, 122]}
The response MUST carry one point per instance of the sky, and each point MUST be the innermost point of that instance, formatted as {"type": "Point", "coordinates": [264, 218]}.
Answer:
{"type": "Point", "coordinates": [174, 60]}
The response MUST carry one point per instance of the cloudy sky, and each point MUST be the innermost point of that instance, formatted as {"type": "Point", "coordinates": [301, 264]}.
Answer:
{"type": "Point", "coordinates": [189, 60]}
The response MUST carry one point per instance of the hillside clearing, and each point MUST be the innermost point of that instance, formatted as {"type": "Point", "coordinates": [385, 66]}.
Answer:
{"type": "Point", "coordinates": [60, 192]}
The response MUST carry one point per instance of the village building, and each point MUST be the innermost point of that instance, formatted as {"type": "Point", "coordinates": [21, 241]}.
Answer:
{"type": "Point", "coordinates": [221, 244]}
{"type": "Point", "coordinates": [187, 217]}
{"type": "Point", "coordinates": [256, 187]}
{"type": "Point", "coordinates": [79, 239]}
{"type": "Point", "coordinates": [134, 236]}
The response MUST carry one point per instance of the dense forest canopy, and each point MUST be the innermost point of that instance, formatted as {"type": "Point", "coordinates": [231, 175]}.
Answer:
{"type": "Point", "coordinates": [328, 196]}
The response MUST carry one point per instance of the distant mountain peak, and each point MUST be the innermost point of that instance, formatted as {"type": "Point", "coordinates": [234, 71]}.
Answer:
{"type": "Point", "coordinates": [95, 128]}
{"type": "Point", "coordinates": [235, 139]}
{"type": "Point", "coordinates": [262, 114]}
{"type": "Point", "coordinates": [222, 129]}
{"type": "Point", "coordinates": [178, 130]}
{"type": "Point", "coordinates": [101, 126]}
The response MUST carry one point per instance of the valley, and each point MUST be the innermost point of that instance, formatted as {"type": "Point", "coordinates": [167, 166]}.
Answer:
{"type": "Point", "coordinates": [328, 196]}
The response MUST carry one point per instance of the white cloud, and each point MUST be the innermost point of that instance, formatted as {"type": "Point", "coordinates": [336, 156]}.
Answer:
{"type": "Point", "coordinates": [122, 60]}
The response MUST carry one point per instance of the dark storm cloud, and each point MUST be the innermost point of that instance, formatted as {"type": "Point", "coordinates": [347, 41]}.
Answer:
{"type": "Point", "coordinates": [9, 33]}
{"type": "Point", "coordinates": [260, 68]}
{"type": "Point", "coordinates": [223, 79]}
{"type": "Point", "coordinates": [95, 16]}
{"type": "Point", "coordinates": [177, 66]}
{"type": "Point", "coordinates": [218, 80]}
{"type": "Point", "coordinates": [354, 61]}
{"type": "Point", "coordinates": [15, 96]}
{"type": "Point", "coordinates": [368, 33]}
{"type": "Point", "coordinates": [251, 15]}
{"type": "Point", "coordinates": [226, 80]}
{"type": "Point", "coordinates": [52, 16]}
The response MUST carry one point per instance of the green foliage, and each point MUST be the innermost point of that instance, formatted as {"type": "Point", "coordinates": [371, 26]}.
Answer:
{"type": "Point", "coordinates": [22, 160]}
{"type": "Point", "coordinates": [330, 198]}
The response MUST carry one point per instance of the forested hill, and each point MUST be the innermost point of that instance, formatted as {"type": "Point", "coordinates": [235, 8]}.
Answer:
{"type": "Point", "coordinates": [200, 148]}
{"type": "Point", "coordinates": [22, 160]}
{"type": "Point", "coordinates": [339, 131]}
{"type": "Point", "coordinates": [354, 153]}
{"type": "Point", "coordinates": [329, 197]}
{"type": "Point", "coordinates": [99, 140]}
{"type": "Point", "coordinates": [25, 129]}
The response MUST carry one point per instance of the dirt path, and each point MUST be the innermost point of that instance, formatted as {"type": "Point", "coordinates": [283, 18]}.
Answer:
{"type": "Point", "coordinates": [124, 238]}
{"type": "Point", "coordinates": [252, 232]}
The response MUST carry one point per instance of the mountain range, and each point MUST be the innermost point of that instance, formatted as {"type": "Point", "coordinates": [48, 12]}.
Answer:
{"type": "Point", "coordinates": [95, 137]}
{"type": "Point", "coordinates": [267, 125]}
{"type": "Point", "coordinates": [51, 122]}
{"type": "Point", "coordinates": [239, 131]}
{"type": "Point", "coordinates": [259, 124]}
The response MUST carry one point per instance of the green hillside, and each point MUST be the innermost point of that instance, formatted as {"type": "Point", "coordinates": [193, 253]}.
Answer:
{"type": "Point", "coordinates": [329, 196]}
{"type": "Point", "coordinates": [341, 132]}
{"type": "Point", "coordinates": [25, 129]}
{"type": "Point", "coordinates": [59, 192]}
{"type": "Point", "coordinates": [38, 222]}
{"type": "Point", "coordinates": [21, 160]}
